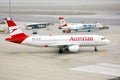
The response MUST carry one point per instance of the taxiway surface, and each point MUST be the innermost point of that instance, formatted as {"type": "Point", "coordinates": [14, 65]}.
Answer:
{"type": "Point", "coordinates": [19, 62]}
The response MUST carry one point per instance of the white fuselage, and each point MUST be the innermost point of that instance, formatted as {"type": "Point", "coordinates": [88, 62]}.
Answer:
{"type": "Point", "coordinates": [82, 26]}
{"type": "Point", "coordinates": [61, 40]}
{"type": "Point", "coordinates": [73, 26]}
{"type": "Point", "coordinates": [69, 43]}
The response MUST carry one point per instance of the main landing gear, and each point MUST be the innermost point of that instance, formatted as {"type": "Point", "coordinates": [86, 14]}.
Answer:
{"type": "Point", "coordinates": [89, 30]}
{"type": "Point", "coordinates": [63, 49]}
{"type": "Point", "coordinates": [60, 50]}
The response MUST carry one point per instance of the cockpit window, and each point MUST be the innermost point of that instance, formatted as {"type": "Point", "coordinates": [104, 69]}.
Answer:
{"type": "Point", "coordinates": [102, 38]}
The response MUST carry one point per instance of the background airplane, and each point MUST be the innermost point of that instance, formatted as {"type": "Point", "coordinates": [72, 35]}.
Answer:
{"type": "Point", "coordinates": [70, 43]}
{"type": "Point", "coordinates": [67, 28]}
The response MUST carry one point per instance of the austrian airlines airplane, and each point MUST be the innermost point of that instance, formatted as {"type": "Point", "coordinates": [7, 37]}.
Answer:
{"type": "Point", "coordinates": [67, 28]}
{"type": "Point", "coordinates": [64, 43]}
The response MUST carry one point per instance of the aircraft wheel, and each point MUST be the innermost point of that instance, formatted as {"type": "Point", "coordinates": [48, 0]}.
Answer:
{"type": "Point", "coordinates": [66, 49]}
{"type": "Point", "coordinates": [63, 31]}
{"type": "Point", "coordinates": [88, 30]}
{"type": "Point", "coordinates": [60, 50]}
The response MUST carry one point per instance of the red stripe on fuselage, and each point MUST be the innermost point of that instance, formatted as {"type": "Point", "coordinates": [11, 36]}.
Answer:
{"type": "Point", "coordinates": [18, 38]}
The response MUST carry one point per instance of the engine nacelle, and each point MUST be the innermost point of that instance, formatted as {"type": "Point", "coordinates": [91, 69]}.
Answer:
{"type": "Point", "coordinates": [73, 48]}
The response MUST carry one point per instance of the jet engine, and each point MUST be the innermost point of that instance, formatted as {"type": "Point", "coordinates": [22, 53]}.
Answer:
{"type": "Point", "coordinates": [73, 48]}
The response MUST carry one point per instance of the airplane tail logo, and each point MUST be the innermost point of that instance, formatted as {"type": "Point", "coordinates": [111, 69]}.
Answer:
{"type": "Point", "coordinates": [62, 21]}
{"type": "Point", "coordinates": [17, 36]}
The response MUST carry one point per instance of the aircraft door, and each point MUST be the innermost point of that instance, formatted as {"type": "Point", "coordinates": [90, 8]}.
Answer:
{"type": "Point", "coordinates": [96, 40]}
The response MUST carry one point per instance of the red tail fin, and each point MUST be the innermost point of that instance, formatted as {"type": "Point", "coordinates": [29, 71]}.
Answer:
{"type": "Point", "coordinates": [11, 23]}
{"type": "Point", "coordinates": [17, 36]}
{"type": "Point", "coordinates": [62, 21]}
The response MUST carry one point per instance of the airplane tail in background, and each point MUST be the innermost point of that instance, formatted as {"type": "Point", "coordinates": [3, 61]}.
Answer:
{"type": "Point", "coordinates": [62, 21]}
{"type": "Point", "coordinates": [17, 36]}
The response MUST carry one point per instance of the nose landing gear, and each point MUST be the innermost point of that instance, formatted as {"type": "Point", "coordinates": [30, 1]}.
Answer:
{"type": "Point", "coordinates": [95, 49]}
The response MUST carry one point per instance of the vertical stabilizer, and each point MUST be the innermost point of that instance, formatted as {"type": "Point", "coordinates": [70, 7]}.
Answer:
{"type": "Point", "coordinates": [62, 22]}
{"type": "Point", "coordinates": [17, 35]}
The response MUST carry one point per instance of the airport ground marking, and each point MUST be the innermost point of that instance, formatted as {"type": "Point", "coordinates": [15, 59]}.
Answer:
{"type": "Point", "coordinates": [100, 68]}
{"type": "Point", "coordinates": [102, 52]}
{"type": "Point", "coordinates": [67, 60]}
{"type": "Point", "coordinates": [23, 53]}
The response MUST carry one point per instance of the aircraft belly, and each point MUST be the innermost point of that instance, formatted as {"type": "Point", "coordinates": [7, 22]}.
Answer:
{"type": "Point", "coordinates": [87, 43]}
